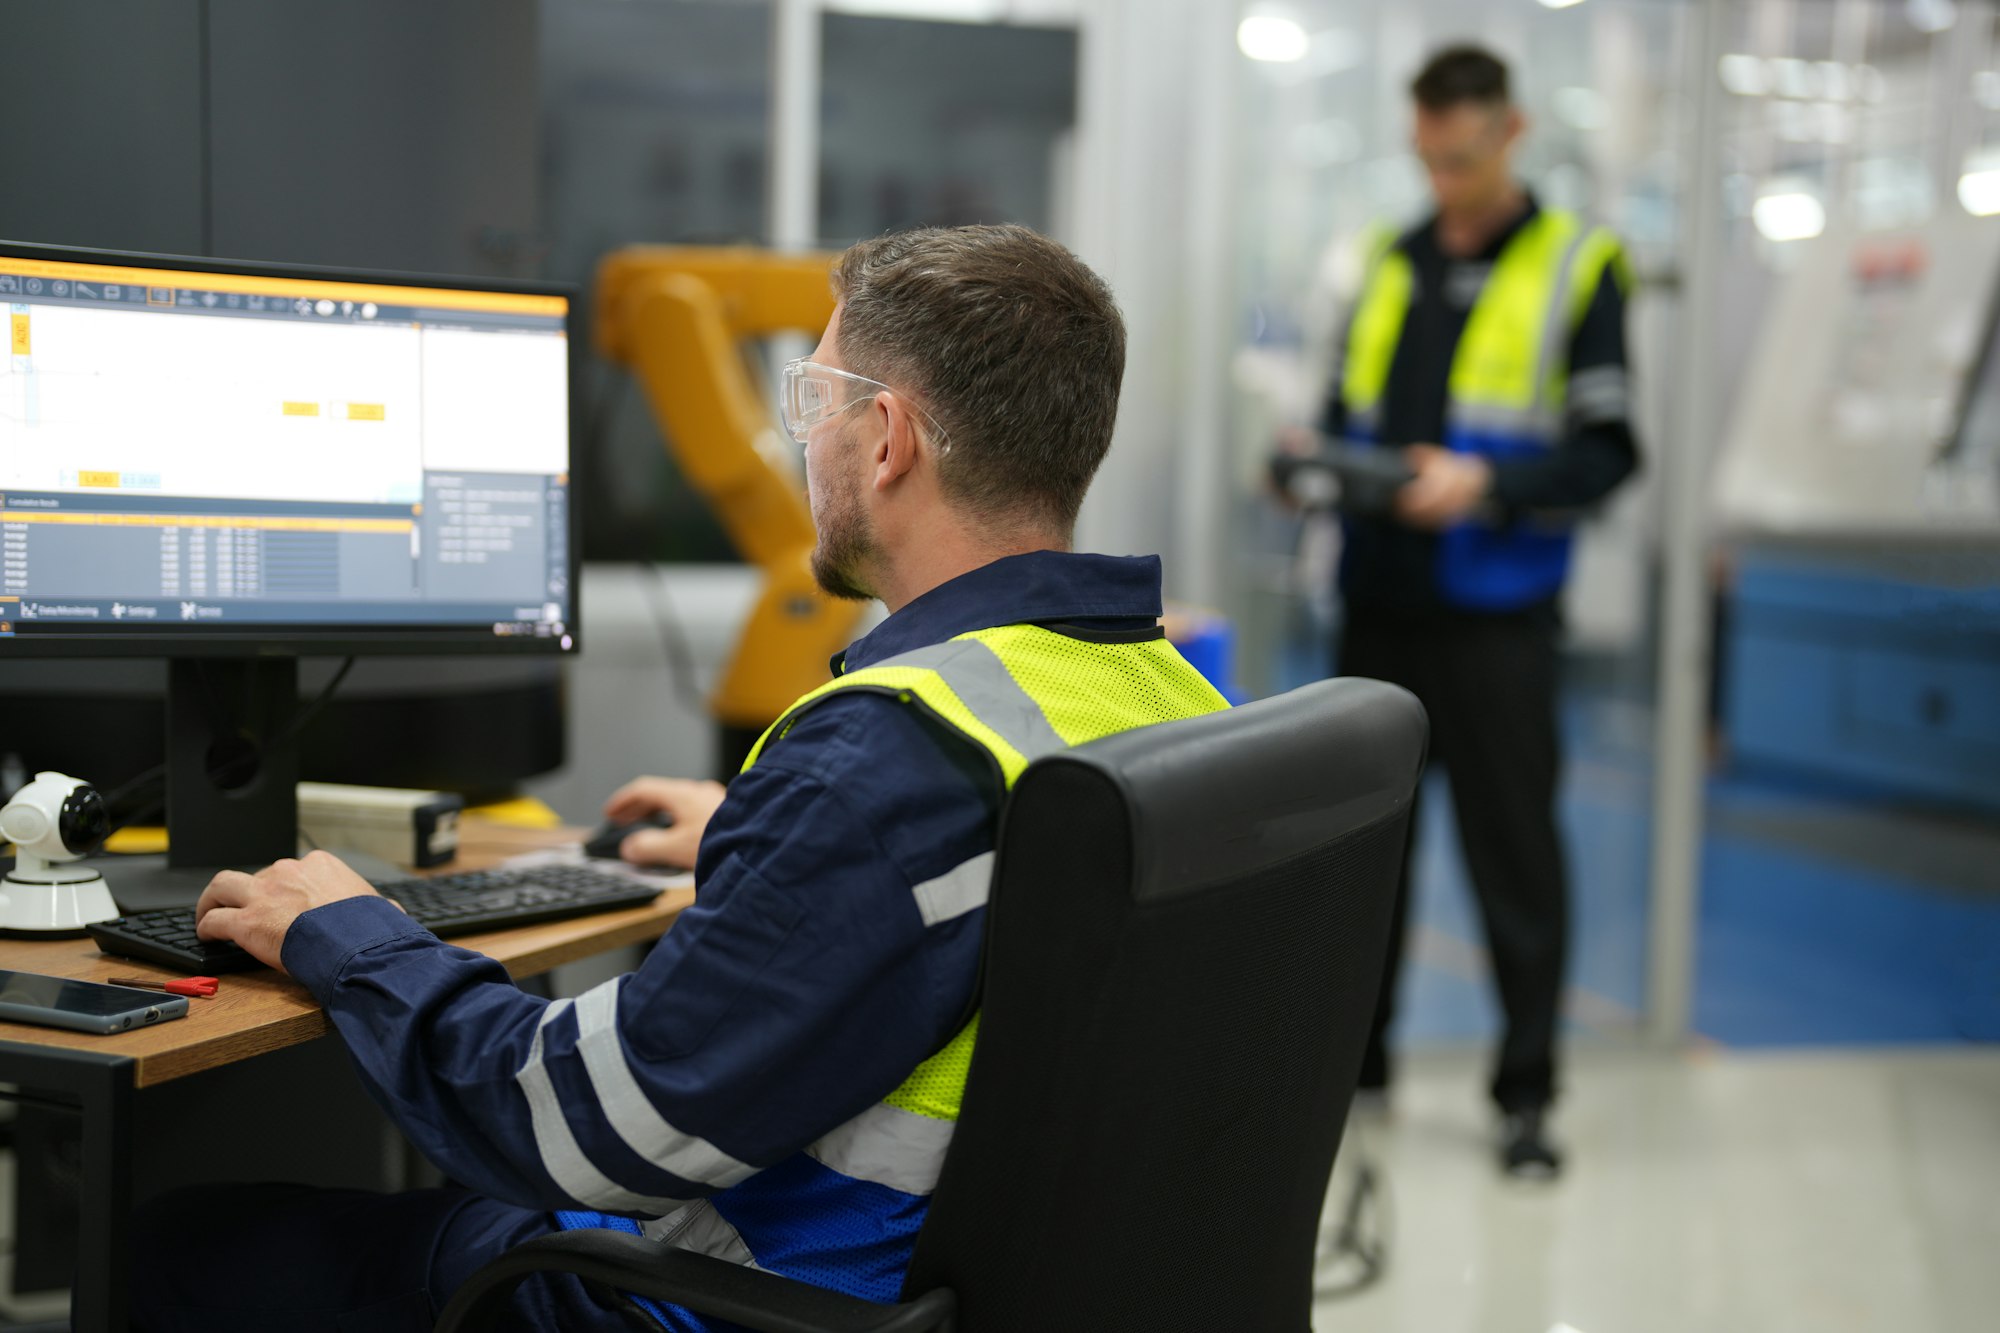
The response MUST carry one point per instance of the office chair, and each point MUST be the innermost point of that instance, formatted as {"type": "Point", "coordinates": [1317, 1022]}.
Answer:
{"type": "Point", "coordinates": [1186, 931]}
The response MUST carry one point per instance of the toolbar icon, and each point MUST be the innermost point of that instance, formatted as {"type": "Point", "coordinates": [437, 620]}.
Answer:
{"type": "Point", "coordinates": [325, 306]}
{"type": "Point", "coordinates": [59, 288]}
{"type": "Point", "coordinates": [9, 283]}
{"type": "Point", "coordinates": [118, 610]}
{"type": "Point", "coordinates": [187, 610]}
{"type": "Point", "coordinates": [113, 292]}
{"type": "Point", "coordinates": [34, 286]}
{"type": "Point", "coordinates": [233, 301]}
{"type": "Point", "coordinates": [208, 299]}
{"type": "Point", "coordinates": [84, 289]}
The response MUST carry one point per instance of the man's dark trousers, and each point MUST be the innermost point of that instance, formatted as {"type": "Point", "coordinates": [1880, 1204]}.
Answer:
{"type": "Point", "coordinates": [1489, 684]}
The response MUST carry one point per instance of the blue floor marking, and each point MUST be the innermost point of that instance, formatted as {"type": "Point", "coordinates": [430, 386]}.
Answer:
{"type": "Point", "coordinates": [1792, 949]}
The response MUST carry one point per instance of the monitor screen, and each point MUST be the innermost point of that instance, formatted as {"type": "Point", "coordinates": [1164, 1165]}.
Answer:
{"type": "Point", "coordinates": [197, 456]}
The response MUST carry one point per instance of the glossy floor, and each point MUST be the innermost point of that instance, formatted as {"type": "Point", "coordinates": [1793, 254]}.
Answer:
{"type": "Point", "coordinates": [1764, 1192]}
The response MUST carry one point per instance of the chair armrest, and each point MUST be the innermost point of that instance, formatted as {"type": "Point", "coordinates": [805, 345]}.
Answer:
{"type": "Point", "coordinates": [757, 1300]}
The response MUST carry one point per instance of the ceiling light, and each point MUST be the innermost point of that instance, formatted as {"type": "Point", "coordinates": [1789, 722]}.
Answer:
{"type": "Point", "coordinates": [1744, 75]}
{"type": "Point", "coordinates": [1270, 38]}
{"type": "Point", "coordinates": [1979, 187]}
{"type": "Point", "coordinates": [1979, 192]}
{"type": "Point", "coordinates": [1560, 4]}
{"type": "Point", "coordinates": [1930, 15]}
{"type": "Point", "coordinates": [1789, 214]}
{"type": "Point", "coordinates": [1795, 77]}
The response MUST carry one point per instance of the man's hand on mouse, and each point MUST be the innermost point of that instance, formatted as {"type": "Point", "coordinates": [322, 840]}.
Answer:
{"type": "Point", "coordinates": [690, 802]}
{"type": "Point", "coordinates": [257, 910]}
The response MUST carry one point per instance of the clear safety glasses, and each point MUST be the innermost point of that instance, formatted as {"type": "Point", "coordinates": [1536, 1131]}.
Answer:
{"type": "Point", "coordinates": [809, 393]}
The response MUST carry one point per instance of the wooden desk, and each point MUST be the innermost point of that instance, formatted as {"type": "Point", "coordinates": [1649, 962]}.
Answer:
{"type": "Point", "coordinates": [254, 1012]}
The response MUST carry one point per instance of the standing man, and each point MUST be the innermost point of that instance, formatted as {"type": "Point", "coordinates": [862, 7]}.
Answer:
{"type": "Point", "coordinates": [779, 1080]}
{"type": "Point", "coordinates": [1487, 344]}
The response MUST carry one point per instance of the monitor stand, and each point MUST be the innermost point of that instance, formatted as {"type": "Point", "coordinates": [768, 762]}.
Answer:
{"type": "Point", "coordinates": [232, 779]}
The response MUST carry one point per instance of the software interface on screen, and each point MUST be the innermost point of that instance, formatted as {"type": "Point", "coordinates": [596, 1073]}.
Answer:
{"type": "Point", "coordinates": [204, 449]}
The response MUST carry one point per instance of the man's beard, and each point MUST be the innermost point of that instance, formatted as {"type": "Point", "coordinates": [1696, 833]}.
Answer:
{"type": "Point", "coordinates": [846, 544]}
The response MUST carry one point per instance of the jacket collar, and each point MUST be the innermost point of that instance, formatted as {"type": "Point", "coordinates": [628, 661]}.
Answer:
{"type": "Point", "coordinates": [1039, 587]}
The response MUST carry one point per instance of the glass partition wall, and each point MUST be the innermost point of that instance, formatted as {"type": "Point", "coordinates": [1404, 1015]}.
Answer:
{"type": "Point", "coordinates": [1850, 889]}
{"type": "Point", "coordinates": [1838, 671]}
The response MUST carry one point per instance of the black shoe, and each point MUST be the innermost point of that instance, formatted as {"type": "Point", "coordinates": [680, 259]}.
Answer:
{"type": "Point", "coordinates": [1525, 1150]}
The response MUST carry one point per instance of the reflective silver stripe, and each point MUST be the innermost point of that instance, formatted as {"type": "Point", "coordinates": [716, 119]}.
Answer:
{"type": "Point", "coordinates": [561, 1158]}
{"type": "Point", "coordinates": [1555, 327]}
{"type": "Point", "coordinates": [631, 1113]}
{"type": "Point", "coordinates": [700, 1229]}
{"type": "Point", "coordinates": [887, 1145]}
{"type": "Point", "coordinates": [957, 891]}
{"type": "Point", "coordinates": [1601, 393]}
{"type": "Point", "coordinates": [981, 680]}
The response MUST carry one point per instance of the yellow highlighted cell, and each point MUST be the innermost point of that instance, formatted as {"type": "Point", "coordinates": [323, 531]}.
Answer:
{"type": "Point", "coordinates": [365, 411]}
{"type": "Point", "coordinates": [22, 344]}
{"type": "Point", "coordinates": [262, 522]}
{"type": "Point", "coordinates": [301, 409]}
{"type": "Point", "coordinates": [106, 480]}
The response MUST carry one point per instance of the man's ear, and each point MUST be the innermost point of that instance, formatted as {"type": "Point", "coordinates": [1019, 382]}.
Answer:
{"type": "Point", "coordinates": [900, 444]}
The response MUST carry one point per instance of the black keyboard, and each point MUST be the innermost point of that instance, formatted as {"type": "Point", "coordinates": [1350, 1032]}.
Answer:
{"type": "Point", "coordinates": [461, 904]}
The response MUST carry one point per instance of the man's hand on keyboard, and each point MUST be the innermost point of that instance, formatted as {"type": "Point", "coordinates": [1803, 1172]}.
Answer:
{"type": "Point", "coordinates": [691, 803]}
{"type": "Point", "coordinates": [256, 910]}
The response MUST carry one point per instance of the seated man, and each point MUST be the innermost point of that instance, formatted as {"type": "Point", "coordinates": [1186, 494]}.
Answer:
{"type": "Point", "coordinates": [778, 1082]}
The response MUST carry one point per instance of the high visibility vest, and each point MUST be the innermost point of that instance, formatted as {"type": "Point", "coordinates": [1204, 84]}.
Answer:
{"type": "Point", "coordinates": [1507, 393]}
{"type": "Point", "coordinates": [845, 1211]}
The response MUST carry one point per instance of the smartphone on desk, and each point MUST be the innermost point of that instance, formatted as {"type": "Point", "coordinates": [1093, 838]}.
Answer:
{"type": "Point", "coordinates": [83, 1006]}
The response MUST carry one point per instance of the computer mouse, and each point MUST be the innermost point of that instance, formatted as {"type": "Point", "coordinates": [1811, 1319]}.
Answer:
{"type": "Point", "coordinates": [604, 843]}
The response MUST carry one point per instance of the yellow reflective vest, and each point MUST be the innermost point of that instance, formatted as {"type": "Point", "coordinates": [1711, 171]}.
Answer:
{"type": "Point", "coordinates": [1016, 693]}
{"type": "Point", "coordinates": [1508, 391]}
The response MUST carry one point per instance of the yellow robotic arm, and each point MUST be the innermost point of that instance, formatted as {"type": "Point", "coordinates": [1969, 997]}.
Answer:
{"type": "Point", "coordinates": [677, 317]}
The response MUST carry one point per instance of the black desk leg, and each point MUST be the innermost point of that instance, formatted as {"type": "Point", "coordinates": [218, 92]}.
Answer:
{"type": "Point", "coordinates": [99, 1088]}
{"type": "Point", "coordinates": [103, 1263]}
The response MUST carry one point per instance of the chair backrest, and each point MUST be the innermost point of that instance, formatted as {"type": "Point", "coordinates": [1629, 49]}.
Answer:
{"type": "Point", "coordinates": [1187, 929]}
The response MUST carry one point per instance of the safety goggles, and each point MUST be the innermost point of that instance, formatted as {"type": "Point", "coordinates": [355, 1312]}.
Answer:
{"type": "Point", "coordinates": [809, 393]}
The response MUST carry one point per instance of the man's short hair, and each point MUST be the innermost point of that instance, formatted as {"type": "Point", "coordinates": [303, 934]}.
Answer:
{"type": "Point", "coordinates": [1461, 75]}
{"type": "Point", "coordinates": [1010, 341]}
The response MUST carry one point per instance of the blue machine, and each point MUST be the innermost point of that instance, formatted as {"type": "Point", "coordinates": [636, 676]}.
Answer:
{"type": "Point", "coordinates": [1883, 674]}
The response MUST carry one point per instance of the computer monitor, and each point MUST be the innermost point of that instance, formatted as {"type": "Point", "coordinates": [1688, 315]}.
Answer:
{"type": "Point", "coordinates": [229, 465]}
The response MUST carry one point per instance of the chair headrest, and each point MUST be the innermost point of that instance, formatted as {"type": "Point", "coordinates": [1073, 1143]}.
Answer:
{"type": "Point", "coordinates": [1217, 796]}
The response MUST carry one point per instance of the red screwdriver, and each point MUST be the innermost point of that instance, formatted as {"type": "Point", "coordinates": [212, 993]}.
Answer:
{"type": "Point", "coordinates": [201, 986]}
